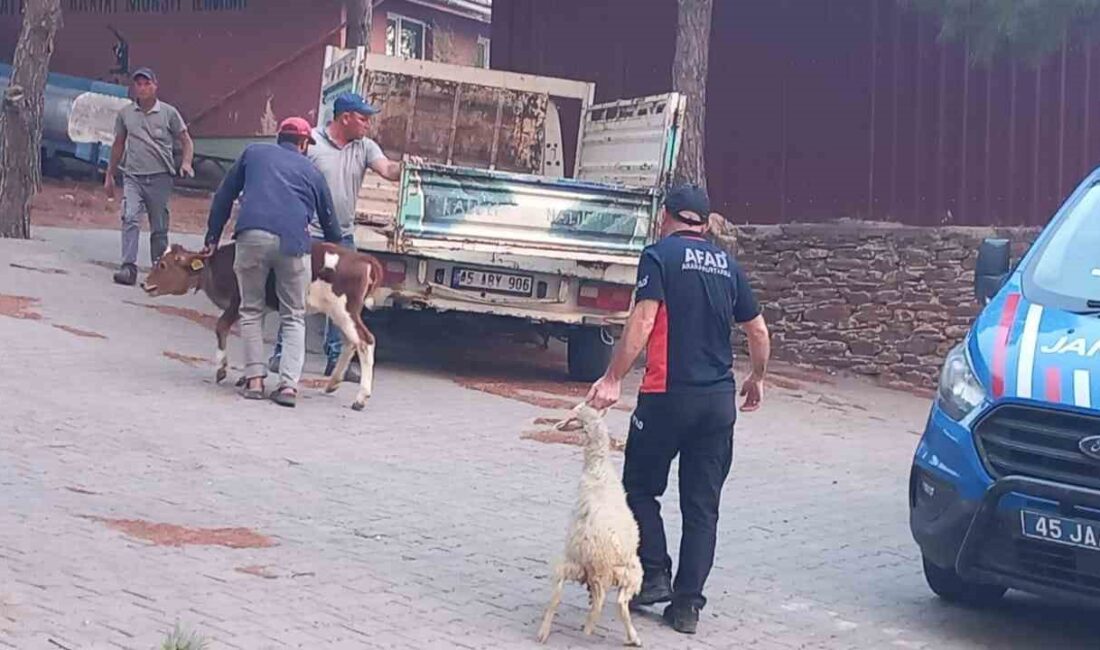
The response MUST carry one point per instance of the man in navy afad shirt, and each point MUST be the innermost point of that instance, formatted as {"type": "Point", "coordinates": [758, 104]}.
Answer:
{"type": "Point", "coordinates": [689, 293]}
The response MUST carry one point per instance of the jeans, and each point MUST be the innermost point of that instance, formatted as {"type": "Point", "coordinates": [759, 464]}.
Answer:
{"type": "Point", "coordinates": [148, 195]}
{"type": "Point", "coordinates": [257, 255]}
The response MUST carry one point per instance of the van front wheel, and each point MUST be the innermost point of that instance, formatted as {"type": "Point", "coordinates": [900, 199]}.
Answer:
{"type": "Point", "coordinates": [947, 584]}
{"type": "Point", "coordinates": [589, 352]}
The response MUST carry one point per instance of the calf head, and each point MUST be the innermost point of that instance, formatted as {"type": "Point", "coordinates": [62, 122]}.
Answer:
{"type": "Point", "coordinates": [175, 273]}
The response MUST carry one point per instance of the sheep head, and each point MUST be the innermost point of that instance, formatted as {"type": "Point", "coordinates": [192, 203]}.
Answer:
{"type": "Point", "coordinates": [583, 416]}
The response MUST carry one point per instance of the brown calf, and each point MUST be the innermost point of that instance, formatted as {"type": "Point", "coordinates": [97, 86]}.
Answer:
{"type": "Point", "coordinates": [343, 281]}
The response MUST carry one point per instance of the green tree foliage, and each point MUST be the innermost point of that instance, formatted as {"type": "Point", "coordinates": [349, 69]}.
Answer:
{"type": "Point", "coordinates": [1026, 29]}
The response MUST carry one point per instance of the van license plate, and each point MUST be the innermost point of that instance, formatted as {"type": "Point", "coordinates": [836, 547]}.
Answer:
{"type": "Point", "coordinates": [520, 285]}
{"type": "Point", "coordinates": [1071, 532]}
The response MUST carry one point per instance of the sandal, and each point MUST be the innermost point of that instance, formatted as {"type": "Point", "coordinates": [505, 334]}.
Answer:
{"type": "Point", "coordinates": [285, 396]}
{"type": "Point", "coordinates": [251, 393]}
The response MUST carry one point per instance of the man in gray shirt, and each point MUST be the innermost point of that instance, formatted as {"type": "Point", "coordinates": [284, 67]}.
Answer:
{"type": "Point", "coordinates": [343, 153]}
{"type": "Point", "coordinates": [144, 135]}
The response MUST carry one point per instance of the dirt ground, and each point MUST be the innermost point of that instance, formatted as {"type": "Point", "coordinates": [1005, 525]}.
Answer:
{"type": "Point", "coordinates": [83, 204]}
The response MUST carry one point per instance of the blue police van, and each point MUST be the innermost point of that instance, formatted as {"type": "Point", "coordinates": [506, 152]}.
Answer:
{"type": "Point", "coordinates": [1005, 486]}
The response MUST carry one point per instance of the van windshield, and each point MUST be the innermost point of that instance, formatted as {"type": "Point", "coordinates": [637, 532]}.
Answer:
{"type": "Point", "coordinates": [1065, 273]}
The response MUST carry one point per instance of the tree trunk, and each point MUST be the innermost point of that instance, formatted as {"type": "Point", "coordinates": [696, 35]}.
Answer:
{"type": "Point", "coordinates": [359, 22]}
{"type": "Point", "coordinates": [689, 77]}
{"type": "Point", "coordinates": [21, 117]}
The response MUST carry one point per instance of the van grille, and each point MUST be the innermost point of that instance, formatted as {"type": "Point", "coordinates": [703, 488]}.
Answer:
{"type": "Point", "coordinates": [1038, 443]}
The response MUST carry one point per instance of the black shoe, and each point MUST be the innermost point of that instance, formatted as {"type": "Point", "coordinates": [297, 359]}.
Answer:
{"type": "Point", "coordinates": [683, 617]}
{"type": "Point", "coordinates": [127, 275]}
{"type": "Point", "coordinates": [273, 363]}
{"type": "Point", "coordinates": [656, 588]}
{"type": "Point", "coordinates": [352, 375]}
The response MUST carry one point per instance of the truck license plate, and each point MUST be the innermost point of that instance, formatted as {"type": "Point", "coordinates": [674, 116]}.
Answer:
{"type": "Point", "coordinates": [520, 285]}
{"type": "Point", "coordinates": [1071, 532]}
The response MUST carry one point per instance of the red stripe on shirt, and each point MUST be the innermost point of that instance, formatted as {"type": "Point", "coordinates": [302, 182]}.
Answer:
{"type": "Point", "coordinates": [656, 366]}
{"type": "Point", "coordinates": [1000, 343]}
{"type": "Point", "coordinates": [1054, 385]}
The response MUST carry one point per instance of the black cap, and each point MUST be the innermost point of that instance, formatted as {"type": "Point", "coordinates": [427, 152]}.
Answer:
{"type": "Point", "coordinates": [144, 72]}
{"type": "Point", "coordinates": [688, 203]}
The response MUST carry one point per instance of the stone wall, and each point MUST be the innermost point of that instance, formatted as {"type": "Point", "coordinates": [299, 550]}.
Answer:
{"type": "Point", "coordinates": [876, 299]}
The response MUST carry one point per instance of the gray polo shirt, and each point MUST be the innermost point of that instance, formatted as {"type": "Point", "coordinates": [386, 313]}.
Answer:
{"type": "Point", "coordinates": [149, 138]}
{"type": "Point", "coordinates": [343, 169]}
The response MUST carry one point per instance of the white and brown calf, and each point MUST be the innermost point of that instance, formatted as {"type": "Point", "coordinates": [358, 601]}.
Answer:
{"type": "Point", "coordinates": [342, 283]}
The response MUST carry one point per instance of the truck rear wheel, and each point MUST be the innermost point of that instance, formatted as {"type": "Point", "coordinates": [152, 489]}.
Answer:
{"type": "Point", "coordinates": [947, 584]}
{"type": "Point", "coordinates": [589, 351]}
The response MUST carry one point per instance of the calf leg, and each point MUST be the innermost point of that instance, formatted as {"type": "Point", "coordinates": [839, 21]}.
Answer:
{"type": "Point", "coordinates": [342, 363]}
{"type": "Point", "coordinates": [366, 378]}
{"type": "Point", "coordinates": [225, 323]}
{"type": "Point", "coordinates": [367, 343]}
{"type": "Point", "coordinates": [322, 299]}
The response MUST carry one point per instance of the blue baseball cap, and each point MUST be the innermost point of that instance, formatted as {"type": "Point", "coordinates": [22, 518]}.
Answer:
{"type": "Point", "coordinates": [688, 203]}
{"type": "Point", "coordinates": [144, 72]}
{"type": "Point", "coordinates": [350, 102]}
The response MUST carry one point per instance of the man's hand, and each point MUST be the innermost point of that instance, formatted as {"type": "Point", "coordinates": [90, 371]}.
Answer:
{"type": "Point", "coordinates": [208, 249]}
{"type": "Point", "coordinates": [605, 393]}
{"type": "Point", "coordinates": [187, 171]}
{"type": "Point", "coordinates": [109, 186]}
{"type": "Point", "coordinates": [753, 392]}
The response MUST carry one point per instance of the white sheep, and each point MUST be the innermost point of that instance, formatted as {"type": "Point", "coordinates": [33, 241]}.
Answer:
{"type": "Point", "coordinates": [601, 550]}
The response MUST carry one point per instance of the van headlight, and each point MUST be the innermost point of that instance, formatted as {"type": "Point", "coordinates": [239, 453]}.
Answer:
{"type": "Point", "coordinates": [960, 392]}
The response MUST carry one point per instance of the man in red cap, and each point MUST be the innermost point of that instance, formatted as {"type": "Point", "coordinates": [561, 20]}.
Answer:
{"type": "Point", "coordinates": [282, 191]}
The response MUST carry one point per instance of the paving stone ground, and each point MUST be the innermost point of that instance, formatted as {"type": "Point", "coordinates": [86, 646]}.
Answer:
{"type": "Point", "coordinates": [426, 521]}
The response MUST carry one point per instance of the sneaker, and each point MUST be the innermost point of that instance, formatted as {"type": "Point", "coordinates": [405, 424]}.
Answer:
{"type": "Point", "coordinates": [683, 617]}
{"type": "Point", "coordinates": [352, 375]}
{"type": "Point", "coordinates": [656, 588]}
{"type": "Point", "coordinates": [127, 275]}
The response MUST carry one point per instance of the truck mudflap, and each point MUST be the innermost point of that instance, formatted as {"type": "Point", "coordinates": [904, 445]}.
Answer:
{"type": "Point", "coordinates": [994, 551]}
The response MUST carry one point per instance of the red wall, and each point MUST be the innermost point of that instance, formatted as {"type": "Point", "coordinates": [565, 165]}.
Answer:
{"type": "Point", "coordinates": [824, 109]}
{"type": "Point", "coordinates": [203, 56]}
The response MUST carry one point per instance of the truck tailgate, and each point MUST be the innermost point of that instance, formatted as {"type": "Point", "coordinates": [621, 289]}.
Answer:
{"type": "Point", "coordinates": [460, 208]}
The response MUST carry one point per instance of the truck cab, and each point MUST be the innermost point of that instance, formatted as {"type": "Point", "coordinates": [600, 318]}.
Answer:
{"type": "Point", "coordinates": [1004, 490]}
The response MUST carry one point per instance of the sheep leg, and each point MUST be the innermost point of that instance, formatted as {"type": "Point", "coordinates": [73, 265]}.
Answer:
{"type": "Point", "coordinates": [598, 594]}
{"type": "Point", "coordinates": [552, 608]}
{"type": "Point", "coordinates": [624, 613]}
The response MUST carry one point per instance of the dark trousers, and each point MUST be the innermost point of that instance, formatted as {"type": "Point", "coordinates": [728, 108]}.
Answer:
{"type": "Point", "coordinates": [698, 427]}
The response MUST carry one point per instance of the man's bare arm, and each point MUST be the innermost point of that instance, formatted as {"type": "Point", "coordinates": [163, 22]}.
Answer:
{"type": "Point", "coordinates": [608, 389]}
{"type": "Point", "coordinates": [117, 149]}
{"type": "Point", "coordinates": [760, 347]}
{"type": "Point", "coordinates": [188, 154]}
{"type": "Point", "coordinates": [387, 169]}
{"type": "Point", "coordinates": [756, 330]}
{"type": "Point", "coordinates": [635, 337]}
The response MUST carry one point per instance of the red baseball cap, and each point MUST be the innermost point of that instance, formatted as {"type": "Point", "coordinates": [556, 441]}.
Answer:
{"type": "Point", "coordinates": [297, 126]}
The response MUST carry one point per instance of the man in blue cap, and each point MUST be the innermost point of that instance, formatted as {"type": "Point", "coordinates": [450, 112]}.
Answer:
{"type": "Point", "coordinates": [689, 293]}
{"type": "Point", "coordinates": [144, 134]}
{"type": "Point", "coordinates": [343, 153]}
